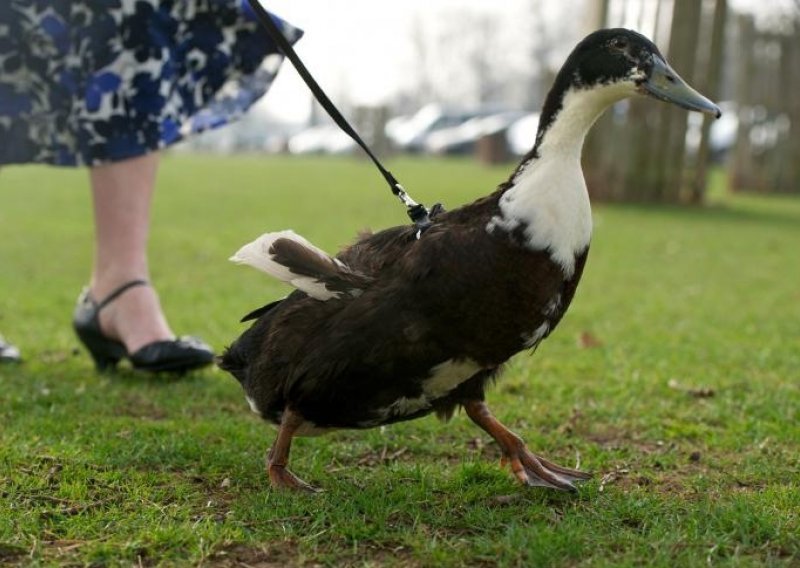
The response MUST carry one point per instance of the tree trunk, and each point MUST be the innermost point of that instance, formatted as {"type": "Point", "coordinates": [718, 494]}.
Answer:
{"type": "Point", "coordinates": [597, 161]}
{"type": "Point", "coordinates": [711, 87]}
{"type": "Point", "coordinates": [684, 35]}
{"type": "Point", "coordinates": [741, 166]}
{"type": "Point", "coordinates": [789, 178]}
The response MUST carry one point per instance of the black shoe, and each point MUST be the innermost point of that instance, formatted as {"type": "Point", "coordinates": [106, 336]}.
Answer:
{"type": "Point", "coordinates": [8, 353]}
{"type": "Point", "coordinates": [171, 355]}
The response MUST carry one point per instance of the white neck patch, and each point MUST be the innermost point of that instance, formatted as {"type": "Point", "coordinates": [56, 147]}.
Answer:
{"type": "Point", "coordinates": [549, 195]}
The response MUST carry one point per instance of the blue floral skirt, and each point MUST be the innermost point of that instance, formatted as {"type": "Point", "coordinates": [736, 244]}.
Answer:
{"type": "Point", "coordinates": [83, 82]}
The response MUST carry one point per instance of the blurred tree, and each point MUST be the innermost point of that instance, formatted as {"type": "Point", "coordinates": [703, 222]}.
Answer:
{"type": "Point", "coordinates": [709, 83]}
{"type": "Point", "coordinates": [766, 156]}
{"type": "Point", "coordinates": [424, 87]}
{"type": "Point", "coordinates": [544, 42]}
{"type": "Point", "coordinates": [742, 166]}
{"type": "Point", "coordinates": [682, 51]}
{"type": "Point", "coordinates": [597, 165]}
{"type": "Point", "coordinates": [790, 50]}
{"type": "Point", "coordinates": [456, 68]}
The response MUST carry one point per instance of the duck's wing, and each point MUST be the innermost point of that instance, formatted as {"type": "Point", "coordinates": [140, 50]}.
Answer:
{"type": "Point", "coordinates": [375, 253]}
{"type": "Point", "coordinates": [291, 258]}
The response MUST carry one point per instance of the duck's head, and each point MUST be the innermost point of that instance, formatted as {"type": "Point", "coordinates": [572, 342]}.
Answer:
{"type": "Point", "coordinates": [627, 59]}
{"type": "Point", "coordinates": [608, 66]}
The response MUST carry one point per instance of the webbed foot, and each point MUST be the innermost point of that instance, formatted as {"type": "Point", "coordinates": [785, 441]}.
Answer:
{"type": "Point", "coordinates": [526, 466]}
{"type": "Point", "coordinates": [282, 479]}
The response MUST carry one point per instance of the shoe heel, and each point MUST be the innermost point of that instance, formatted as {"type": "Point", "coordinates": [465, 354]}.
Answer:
{"type": "Point", "coordinates": [105, 353]}
{"type": "Point", "coordinates": [104, 364]}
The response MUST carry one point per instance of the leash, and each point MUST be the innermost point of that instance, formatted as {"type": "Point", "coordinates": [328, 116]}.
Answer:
{"type": "Point", "coordinates": [417, 212]}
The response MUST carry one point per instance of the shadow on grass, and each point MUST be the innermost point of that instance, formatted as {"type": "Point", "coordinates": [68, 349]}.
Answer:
{"type": "Point", "coordinates": [361, 504]}
{"type": "Point", "coordinates": [131, 377]}
{"type": "Point", "coordinates": [775, 210]}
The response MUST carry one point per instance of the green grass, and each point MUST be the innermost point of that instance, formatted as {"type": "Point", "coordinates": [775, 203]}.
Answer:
{"type": "Point", "coordinates": [687, 410]}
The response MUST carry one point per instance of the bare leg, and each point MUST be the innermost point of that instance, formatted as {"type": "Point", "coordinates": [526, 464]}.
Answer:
{"type": "Point", "coordinates": [527, 467]}
{"type": "Point", "coordinates": [7, 351]}
{"type": "Point", "coordinates": [278, 457]}
{"type": "Point", "coordinates": [122, 193]}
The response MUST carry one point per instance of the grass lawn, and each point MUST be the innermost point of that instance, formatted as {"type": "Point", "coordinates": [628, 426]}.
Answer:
{"type": "Point", "coordinates": [675, 378]}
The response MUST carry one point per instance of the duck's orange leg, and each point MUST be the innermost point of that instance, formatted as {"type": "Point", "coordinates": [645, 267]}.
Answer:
{"type": "Point", "coordinates": [527, 467]}
{"type": "Point", "coordinates": [278, 456]}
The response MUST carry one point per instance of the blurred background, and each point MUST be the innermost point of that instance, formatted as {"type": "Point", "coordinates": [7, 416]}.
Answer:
{"type": "Point", "coordinates": [468, 77]}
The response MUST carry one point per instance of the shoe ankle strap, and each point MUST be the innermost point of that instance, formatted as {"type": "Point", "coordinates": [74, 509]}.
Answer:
{"type": "Point", "coordinates": [119, 291]}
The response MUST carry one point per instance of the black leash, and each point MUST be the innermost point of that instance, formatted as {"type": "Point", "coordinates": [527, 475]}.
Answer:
{"type": "Point", "coordinates": [416, 211]}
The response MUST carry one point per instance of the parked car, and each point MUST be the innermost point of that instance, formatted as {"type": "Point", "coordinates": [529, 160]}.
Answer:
{"type": "Point", "coordinates": [409, 133]}
{"type": "Point", "coordinates": [323, 139]}
{"type": "Point", "coordinates": [461, 139]}
{"type": "Point", "coordinates": [521, 135]}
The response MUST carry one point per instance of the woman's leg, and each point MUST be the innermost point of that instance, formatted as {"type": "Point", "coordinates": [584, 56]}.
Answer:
{"type": "Point", "coordinates": [122, 193]}
{"type": "Point", "coordinates": [7, 351]}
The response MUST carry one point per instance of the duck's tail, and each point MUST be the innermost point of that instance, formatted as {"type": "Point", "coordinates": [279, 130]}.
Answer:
{"type": "Point", "coordinates": [289, 257]}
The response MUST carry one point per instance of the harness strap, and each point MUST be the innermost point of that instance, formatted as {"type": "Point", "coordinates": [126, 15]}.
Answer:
{"type": "Point", "coordinates": [416, 211]}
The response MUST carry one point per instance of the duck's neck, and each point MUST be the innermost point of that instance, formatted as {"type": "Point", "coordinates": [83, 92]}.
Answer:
{"type": "Point", "coordinates": [546, 201]}
{"type": "Point", "coordinates": [566, 118]}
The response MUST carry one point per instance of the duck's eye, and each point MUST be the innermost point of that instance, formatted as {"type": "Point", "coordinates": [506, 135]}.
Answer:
{"type": "Point", "coordinates": [620, 43]}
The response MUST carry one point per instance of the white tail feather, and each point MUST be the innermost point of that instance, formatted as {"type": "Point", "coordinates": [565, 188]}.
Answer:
{"type": "Point", "coordinates": [257, 254]}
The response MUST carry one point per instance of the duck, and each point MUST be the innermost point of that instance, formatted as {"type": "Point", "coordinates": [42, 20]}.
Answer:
{"type": "Point", "coordinates": [399, 325]}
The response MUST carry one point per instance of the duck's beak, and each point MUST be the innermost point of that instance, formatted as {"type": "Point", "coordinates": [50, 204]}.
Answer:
{"type": "Point", "coordinates": [667, 85]}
